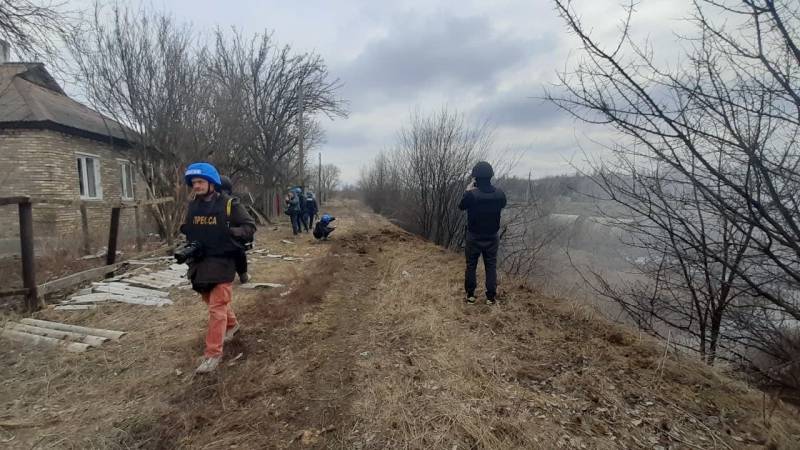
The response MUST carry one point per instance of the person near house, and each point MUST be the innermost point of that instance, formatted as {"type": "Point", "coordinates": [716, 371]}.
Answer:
{"type": "Point", "coordinates": [323, 228]}
{"type": "Point", "coordinates": [241, 257]}
{"type": "Point", "coordinates": [303, 210]}
{"type": "Point", "coordinates": [217, 223]}
{"type": "Point", "coordinates": [483, 203]}
{"type": "Point", "coordinates": [311, 209]}
{"type": "Point", "coordinates": [293, 208]}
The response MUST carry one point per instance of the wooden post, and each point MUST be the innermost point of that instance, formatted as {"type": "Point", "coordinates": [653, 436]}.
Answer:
{"type": "Point", "coordinates": [28, 257]}
{"type": "Point", "coordinates": [138, 219]}
{"type": "Point", "coordinates": [113, 234]}
{"type": "Point", "coordinates": [87, 240]}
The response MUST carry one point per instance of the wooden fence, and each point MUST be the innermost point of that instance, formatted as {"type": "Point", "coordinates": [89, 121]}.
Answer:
{"type": "Point", "coordinates": [25, 204]}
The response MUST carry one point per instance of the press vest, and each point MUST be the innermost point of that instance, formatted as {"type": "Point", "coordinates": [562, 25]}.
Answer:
{"type": "Point", "coordinates": [208, 224]}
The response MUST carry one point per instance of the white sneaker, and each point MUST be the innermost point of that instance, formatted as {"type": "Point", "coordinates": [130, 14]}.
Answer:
{"type": "Point", "coordinates": [231, 333]}
{"type": "Point", "coordinates": [208, 365]}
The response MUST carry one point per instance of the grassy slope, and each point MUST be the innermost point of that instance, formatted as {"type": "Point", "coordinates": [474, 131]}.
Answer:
{"type": "Point", "coordinates": [373, 348]}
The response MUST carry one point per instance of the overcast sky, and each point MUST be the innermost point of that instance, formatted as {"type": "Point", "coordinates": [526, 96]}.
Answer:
{"type": "Point", "coordinates": [488, 59]}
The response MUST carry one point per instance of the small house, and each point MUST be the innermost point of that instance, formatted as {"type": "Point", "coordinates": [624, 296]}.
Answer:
{"type": "Point", "coordinates": [52, 146]}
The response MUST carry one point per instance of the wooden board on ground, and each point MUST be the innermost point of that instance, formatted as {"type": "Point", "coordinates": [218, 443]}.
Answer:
{"type": "Point", "coordinates": [111, 334]}
{"type": "Point", "coordinates": [74, 307]}
{"type": "Point", "coordinates": [125, 288]}
{"type": "Point", "coordinates": [148, 283]}
{"type": "Point", "coordinates": [32, 339]}
{"type": "Point", "coordinates": [106, 297]}
{"type": "Point", "coordinates": [92, 341]}
{"type": "Point", "coordinates": [76, 278]}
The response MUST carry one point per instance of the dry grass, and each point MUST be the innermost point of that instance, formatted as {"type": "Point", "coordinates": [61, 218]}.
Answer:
{"type": "Point", "coordinates": [373, 348]}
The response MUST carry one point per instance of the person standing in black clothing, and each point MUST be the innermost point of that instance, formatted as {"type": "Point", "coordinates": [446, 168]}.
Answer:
{"type": "Point", "coordinates": [311, 209]}
{"type": "Point", "coordinates": [483, 203]}
{"type": "Point", "coordinates": [241, 256]}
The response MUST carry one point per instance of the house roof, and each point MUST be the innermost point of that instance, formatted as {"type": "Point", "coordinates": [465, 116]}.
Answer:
{"type": "Point", "coordinates": [31, 98]}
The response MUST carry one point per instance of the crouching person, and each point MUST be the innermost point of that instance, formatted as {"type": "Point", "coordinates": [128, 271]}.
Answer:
{"type": "Point", "coordinates": [323, 228]}
{"type": "Point", "coordinates": [215, 225]}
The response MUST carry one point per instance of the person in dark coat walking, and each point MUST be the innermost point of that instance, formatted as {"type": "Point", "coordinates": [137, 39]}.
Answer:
{"type": "Point", "coordinates": [293, 208]}
{"type": "Point", "coordinates": [303, 210]}
{"type": "Point", "coordinates": [483, 203]}
{"type": "Point", "coordinates": [241, 257]}
{"type": "Point", "coordinates": [311, 209]}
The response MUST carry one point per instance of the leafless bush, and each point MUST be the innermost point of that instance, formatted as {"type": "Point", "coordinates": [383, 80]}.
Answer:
{"type": "Point", "coordinates": [421, 181]}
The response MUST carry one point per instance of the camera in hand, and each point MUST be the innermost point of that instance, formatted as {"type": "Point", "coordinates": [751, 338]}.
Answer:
{"type": "Point", "coordinates": [188, 250]}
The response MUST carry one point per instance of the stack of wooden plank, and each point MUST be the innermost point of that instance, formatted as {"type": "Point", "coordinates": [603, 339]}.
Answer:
{"type": "Point", "coordinates": [71, 338]}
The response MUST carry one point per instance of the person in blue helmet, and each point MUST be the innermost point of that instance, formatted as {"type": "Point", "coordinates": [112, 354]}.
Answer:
{"type": "Point", "coordinates": [293, 209]}
{"type": "Point", "coordinates": [323, 228]}
{"type": "Point", "coordinates": [215, 226]}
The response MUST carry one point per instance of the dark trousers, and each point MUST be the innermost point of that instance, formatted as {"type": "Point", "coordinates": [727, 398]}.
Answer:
{"type": "Point", "coordinates": [295, 222]}
{"type": "Point", "coordinates": [477, 246]}
{"type": "Point", "coordinates": [306, 220]}
{"type": "Point", "coordinates": [241, 262]}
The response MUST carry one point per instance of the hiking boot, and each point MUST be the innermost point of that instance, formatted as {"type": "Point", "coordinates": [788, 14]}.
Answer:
{"type": "Point", "coordinates": [470, 300]}
{"type": "Point", "coordinates": [490, 301]}
{"type": "Point", "coordinates": [244, 277]}
{"type": "Point", "coordinates": [208, 365]}
{"type": "Point", "coordinates": [229, 334]}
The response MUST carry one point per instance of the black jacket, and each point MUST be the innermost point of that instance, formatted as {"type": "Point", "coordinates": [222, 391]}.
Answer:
{"type": "Point", "coordinates": [483, 206]}
{"type": "Point", "coordinates": [221, 233]}
{"type": "Point", "coordinates": [311, 207]}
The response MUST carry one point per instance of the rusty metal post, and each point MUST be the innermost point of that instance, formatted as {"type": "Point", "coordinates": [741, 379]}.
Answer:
{"type": "Point", "coordinates": [87, 240]}
{"type": "Point", "coordinates": [138, 219]}
{"type": "Point", "coordinates": [28, 256]}
{"type": "Point", "coordinates": [113, 234]}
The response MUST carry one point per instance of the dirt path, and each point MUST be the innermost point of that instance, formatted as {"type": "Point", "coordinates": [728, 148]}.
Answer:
{"type": "Point", "coordinates": [369, 346]}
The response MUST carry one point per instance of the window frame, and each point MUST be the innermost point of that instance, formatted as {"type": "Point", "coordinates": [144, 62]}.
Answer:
{"type": "Point", "coordinates": [130, 174]}
{"type": "Point", "coordinates": [83, 179]}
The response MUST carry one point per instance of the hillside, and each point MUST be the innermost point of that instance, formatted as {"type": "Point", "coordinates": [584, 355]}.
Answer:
{"type": "Point", "coordinates": [370, 346]}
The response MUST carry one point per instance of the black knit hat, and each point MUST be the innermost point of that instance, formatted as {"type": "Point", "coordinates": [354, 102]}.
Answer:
{"type": "Point", "coordinates": [482, 170]}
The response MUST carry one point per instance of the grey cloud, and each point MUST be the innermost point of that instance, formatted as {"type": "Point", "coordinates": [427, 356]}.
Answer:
{"type": "Point", "coordinates": [456, 52]}
{"type": "Point", "coordinates": [520, 109]}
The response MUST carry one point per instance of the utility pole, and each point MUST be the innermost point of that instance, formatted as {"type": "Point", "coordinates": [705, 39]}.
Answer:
{"type": "Point", "coordinates": [319, 178]}
{"type": "Point", "coordinates": [301, 131]}
{"type": "Point", "coordinates": [528, 192]}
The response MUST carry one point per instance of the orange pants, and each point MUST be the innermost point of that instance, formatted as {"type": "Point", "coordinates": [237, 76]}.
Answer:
{"type": "Point", "coordinates": [220, 317]}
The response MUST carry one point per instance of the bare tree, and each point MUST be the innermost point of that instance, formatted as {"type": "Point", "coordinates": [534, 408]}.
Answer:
{"type": "Point", "coordinates": [34, 29]}
{"type": "Point", "coordinates": [420, 182]}
{"type": "Point", "coordinates": [141, 69]}
{"type": "Point", "coordinates": [329, 179]}
{"type": "Point", "coordinates": [261, 82]}
{"type": "Point", "coordinates": [719, 129]}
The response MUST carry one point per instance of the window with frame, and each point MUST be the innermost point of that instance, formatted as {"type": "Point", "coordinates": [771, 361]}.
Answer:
{"type": "Point", "coordinates": [127, 180]}
{"type": "Point", "coordinates": [89, 177]}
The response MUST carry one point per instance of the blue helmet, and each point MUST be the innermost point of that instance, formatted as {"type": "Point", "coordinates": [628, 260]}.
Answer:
{"type": "Point", "coordinates": [326, 218]}
{"type": "Point", "coordinates": [202, 170]}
